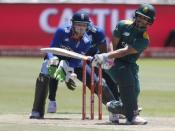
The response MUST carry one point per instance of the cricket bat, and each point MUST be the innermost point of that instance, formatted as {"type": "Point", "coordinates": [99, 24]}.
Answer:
{"type": "Point", "coordinates": [64, 52]}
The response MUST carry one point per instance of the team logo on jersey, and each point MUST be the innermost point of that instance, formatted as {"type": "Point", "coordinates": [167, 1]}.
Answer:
{"type": "Point", "coordinates": [126, 33]}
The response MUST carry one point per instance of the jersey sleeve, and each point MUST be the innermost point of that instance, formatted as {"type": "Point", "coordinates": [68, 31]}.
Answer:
{"type": "Point", "coordinates": [119, 29]}
{"type": "Point", "coordinates": [101, 38]}
{"type": "Point", "coordinates": [56, 40]}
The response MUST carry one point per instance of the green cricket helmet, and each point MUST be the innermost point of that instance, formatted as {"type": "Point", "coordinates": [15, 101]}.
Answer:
{"type": "Point", "coordinates": [147, 11]}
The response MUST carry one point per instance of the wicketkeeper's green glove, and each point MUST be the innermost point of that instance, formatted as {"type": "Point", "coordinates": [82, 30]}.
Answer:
{"type": "Point", "coordinates": [54, 71]}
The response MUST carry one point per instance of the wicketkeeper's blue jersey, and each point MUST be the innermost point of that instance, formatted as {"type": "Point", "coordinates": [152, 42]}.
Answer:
{"type": "Point", "coordinates": [62, 39]}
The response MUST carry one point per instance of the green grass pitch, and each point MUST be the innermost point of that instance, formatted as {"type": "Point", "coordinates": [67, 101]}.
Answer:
{"type": "Point", "coordinates": [17, 83]}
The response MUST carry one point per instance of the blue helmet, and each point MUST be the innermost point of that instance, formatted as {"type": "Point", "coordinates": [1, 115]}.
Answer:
{"type": "Point", "coordinates": [81, 16]}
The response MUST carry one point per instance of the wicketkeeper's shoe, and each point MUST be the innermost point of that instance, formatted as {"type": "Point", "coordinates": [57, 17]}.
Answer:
{"type": "Point", "coordinates": [52, 107]}
{"type": "Point", "coordinates": [114, 118]}
{"type": "Point", "coordinates": [137, 120]}
{"type": "Point", "coordinates": [35, 115]}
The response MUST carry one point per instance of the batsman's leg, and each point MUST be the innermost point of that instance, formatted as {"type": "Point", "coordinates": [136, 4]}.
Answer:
{"type": "Point", "coordinates": [113, 118]}
{"type": "Point", "coordinates": [112, 85]}
{"type": "Point", "coordinates": [127, 89]}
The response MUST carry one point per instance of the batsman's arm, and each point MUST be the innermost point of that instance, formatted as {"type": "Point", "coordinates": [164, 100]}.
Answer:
{"type": "Point", "coordinates": [102, 59]}
{"type": "Point", "coordinates": [121, 52]}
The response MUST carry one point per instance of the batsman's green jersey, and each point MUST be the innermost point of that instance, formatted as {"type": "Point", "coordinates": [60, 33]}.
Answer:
{"type": "Point", "coordinates": [129, 36]}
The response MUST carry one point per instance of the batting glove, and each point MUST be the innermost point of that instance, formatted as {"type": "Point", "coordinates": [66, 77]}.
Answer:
{"type": "Point", "coordinates": [108, 64]}
{"type": "Point", "coordinates": [100, 59]}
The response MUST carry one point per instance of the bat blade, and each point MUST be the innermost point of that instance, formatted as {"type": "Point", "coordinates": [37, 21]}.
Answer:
{"type": "Point", "coordinates": [64, 52]}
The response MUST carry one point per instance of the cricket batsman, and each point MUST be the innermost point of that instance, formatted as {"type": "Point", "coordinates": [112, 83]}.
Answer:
{"type": "Point", "coordinates": [130, 39]}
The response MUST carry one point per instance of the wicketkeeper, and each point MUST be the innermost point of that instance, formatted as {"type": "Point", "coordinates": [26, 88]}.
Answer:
{"type": "Point", "coordinates": [72, 38]}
